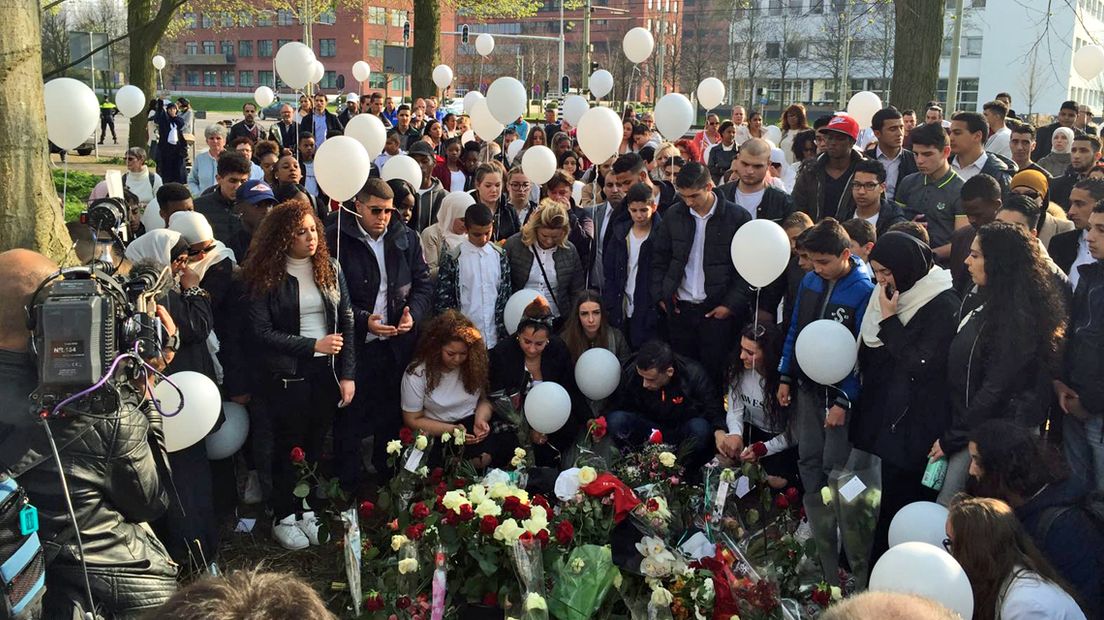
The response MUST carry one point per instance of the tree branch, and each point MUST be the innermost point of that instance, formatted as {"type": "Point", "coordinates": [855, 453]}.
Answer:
{"type": "Point", "coordinates": [52, 5]}
{"type": "Point", "coordinates": [160, 19]}
{"type": "Point", "coordinates": [60, 70]}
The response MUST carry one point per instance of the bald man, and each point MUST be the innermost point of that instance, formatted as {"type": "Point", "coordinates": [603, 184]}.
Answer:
{"type": "Point", "coordinates": [888, 606]}
{"type": "Point", "coordinates": [115, 482]}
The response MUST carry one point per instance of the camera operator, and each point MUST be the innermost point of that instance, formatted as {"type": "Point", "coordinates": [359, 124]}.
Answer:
{"type": "Point", "coordinates": [113, 467]}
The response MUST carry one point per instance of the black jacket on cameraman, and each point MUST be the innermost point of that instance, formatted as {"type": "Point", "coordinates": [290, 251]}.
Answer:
{"type": "Point", "coordinates": [274, 319]}
{"type": "Point", "coordinates": [689, 394]}
{"type": "Point", "coordinates": [115, 470]}
{"type": "Point", "coordinates": [775, 206]}
{"type": "Point", "coordinates": [673, 238]}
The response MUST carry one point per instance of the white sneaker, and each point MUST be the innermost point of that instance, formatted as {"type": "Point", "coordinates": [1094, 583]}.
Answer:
{"type": "Point", "coordinates": [309, 526]}
{"type": "Point", "coordinates": [288, 533]}
{"type": "Point", "coordinates": [252, 493]}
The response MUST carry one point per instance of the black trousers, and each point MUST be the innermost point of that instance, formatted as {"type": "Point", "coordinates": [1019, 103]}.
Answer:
{"type": "Point", "coordinates": [707, 340]}
{"type": "Point", "coordinates": [374, 411]}
{"type": "Point", "coordinates": [170, 164]}
{"type": "Point", "coordinates": [302, 409]}
{"type": "Point", "coordinates": [900, 487]}
{"type": "Point", "coordinates": [105, 123]}
{"type": "Point", "coordinates": [189, 528]}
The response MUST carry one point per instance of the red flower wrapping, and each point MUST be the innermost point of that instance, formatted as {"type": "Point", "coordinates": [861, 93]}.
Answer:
{"type": "Point", "coordinates": [565, 533]}
{"type": "Point", "coordinates": [298, 455]}
{"type": "Point", "coordinates": [419, 511]}
{"type": "Point", "coordinates": [406, 436]}
{"type": "Point", "coordinates": [488, 524]}
{"type": "Point", "coordinates": [598, 428]}
{"type": "Point", "coordinates": [366, 509]}
{"type": "Point", "coordinates": [656, 437]}
{"type": "Point", "coordinates": [759, 449]}
{"type": "Point", "coordinates": [606, 484]}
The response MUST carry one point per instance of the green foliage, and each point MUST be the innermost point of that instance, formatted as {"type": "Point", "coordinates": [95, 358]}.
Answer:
{"type": "Point", "coordinates": [76, 191]}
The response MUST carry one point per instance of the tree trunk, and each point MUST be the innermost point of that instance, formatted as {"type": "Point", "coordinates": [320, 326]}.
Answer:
{"type": "Point", "coordinates": [916, 56]}
{"type": "Point", "coordinates": [141, 72]}
{"type": "Point", "coordinates": [30, 211]}
{"type": "Point", "coordinates": [427, 47]}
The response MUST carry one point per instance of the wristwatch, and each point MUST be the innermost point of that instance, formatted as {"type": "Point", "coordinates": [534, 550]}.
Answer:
{"type": "Point", "coordinates": [172, 343]}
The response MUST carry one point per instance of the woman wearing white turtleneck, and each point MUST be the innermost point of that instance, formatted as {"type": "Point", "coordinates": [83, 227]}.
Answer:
{"type": "Point", "coordinates": [300, 315]}
{"type": "Point", "coordinates": [139, 178]}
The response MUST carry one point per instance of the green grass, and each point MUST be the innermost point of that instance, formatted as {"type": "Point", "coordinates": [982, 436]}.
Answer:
{"type": "Point", "coordinates": [79, 187]}
{"type": "Point", "coordinates": [221, 104]}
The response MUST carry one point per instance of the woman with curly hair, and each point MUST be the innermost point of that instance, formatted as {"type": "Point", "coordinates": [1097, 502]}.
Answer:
{"type": "Point", "coordinates": [1010, 578]}
{"type": "Point", "coordinates": [1000, 362]}
{"type": "Point", "coordinates": [794, 121]}
{"type": "Point", "coordinates": [300, 316]}
{"type": "Point", "coordinates": [542, 258]}
{"type": "Point", "coordinates": [444, 389]}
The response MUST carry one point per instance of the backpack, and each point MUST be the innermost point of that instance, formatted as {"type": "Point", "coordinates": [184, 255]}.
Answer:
{"type": "Point", "coordinates": [1092, 505]}
{"type": "Point", "coordinates": [22, 560]}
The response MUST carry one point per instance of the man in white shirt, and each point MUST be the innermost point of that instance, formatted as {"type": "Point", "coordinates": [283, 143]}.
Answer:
{"type": "Point", "coordinates": [1070, 249]}
{"type": "Point", "coordinates": [889, 128]}
{"type": "Point", "coordinates": [474, 277]}
{"type": "Point", "coordinates": [999, 135]}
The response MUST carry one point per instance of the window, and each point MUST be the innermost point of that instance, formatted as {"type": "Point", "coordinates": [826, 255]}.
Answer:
{"type": "Point", "coordinates": [327, 17]}
{"type": "Point", "coordinates": [245, 49]}
{"type": "Point", "coordinates": [227, 19]}
{"type": "Point", "coordinates": [264, 48]}
{"type": "Point", "coordinates": [329, 79]}
{"type": "Point", "coordinates": [245, 19]}
{"type": "Point", "coordinates": [398, 16]}
{"type": "Point", "coordinates": [971, 46]}
{"type": "Point", "coordinates": [227, 47]}
{"type": "Point", "coordinates": [947, 46]}
{"type": "Point", "coordinates": [377, 15]}
{"type": "Point", "coordinates": [228, 78]}
{"type": "Point", "coordinates": [377, 80]}
{"type": "Point", "coordinates": [264, 20]}
{"type": "Point", "coordinates": [208, 47]}
{"type": "Point", "coordinates": [967, 93]}
{"type": "Point", "coordinates": [210, 78]}
{"type": "Point", "coordinates": [375, 48]}
{"type": "Point", "coordinates": [839, 5]}
{"type": "Point", "coordinates": [190, 20]}
{"type": "Point", "coordinates": [977, 4]}
{"type": "Point", "coordinates": [775, 7]}
{"type": "Point", "coordinates": [245, 78]}
{"type": "Point", "coordinates": [191, 48]}
{"type": "Point", "coordinates": [205, 21]}
{"type": "Point", "coordinates": [264, 78]}
{"type": "Point", "coordinates": [191, 78]}
{"type": "Point", "coordinates": [327, 48]}
{"type": "Point", "coordinates": [773, 50]}
{"type": "Point", "coordinates": [398, 82]}
{"type": "Point", "coordinates": [282, 42]}
{"type": "Point", "coordinates": [796, 7]}
{"type": "Point", "coordinates": [284, 18]}
{"type": "Point", "coordinates": [795, 49]}
{"type": "Point", "coordinates": [951, 4]}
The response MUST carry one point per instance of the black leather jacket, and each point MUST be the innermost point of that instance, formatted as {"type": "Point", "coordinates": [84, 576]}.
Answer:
{"type": "Point", "coordinates": [775, 206]}
{"type": "Point", "coordinates": [274, 319]}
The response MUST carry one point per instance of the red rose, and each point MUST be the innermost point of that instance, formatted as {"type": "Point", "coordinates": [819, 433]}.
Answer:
{"type": "Point", "coordinates": [490, 599]}
{"type": "Point", "coordinates": [403, 602]}
{"type": "Point", "coordinates": [441, 489]}
{"type": "Point", "coordinates": [459, 483]}
{"type": "Point", "coordinates": [373, 602]}
{"type": "Point", "coordinates": [366, 509]}
{"type": "Point", "coordinates": [759, 449]}
{"type": "Point", "coordinates": [406, 436]}
{"type": "Point", "coordinates": [542, 536]}
{"type": "Point", "coordinates": [466, 513]}
{"type": "Point", "coordinates": [488, 524]}
{"type": "Point", "coordinates": [451, 518]}
{"type": "Point", "coordinates": [598, 428]}
{"type": "Point", "coordinates": [821, 597]}
{"type": "Point", "coordinates": [297, 455]}
{"type": "Point", "coordinates": [565, 532]}
{"type": "Point", "coordinates": [538, 500]}
{"type": "Point", "coordinates": [415, 531]}
{"type": "Point", "coordinates": [436, 475]}
{"type": "Point", "coordinates": [514, 506]}
{"type": "Point", "coordinates": [792, 494]}
{"type": "Point", "coordinates": [419, 511]}
{"type": "Point", "coordinates": [652, 505]}
{"type": "Point", "coordinates": [781, 502]}
{"type": "Point", "coordinates": [656, 437]}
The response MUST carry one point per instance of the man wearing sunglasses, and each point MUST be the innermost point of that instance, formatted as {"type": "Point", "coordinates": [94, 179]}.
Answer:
{"type": "Point", "coordinates": [391, 293]}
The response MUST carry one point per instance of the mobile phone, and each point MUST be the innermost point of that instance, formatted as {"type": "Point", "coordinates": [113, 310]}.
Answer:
{"type": "Point", "coordinates": [888, 288]}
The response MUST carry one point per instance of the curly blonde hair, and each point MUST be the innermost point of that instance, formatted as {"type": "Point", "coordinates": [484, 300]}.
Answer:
{"type": "Point", "coordinates": [550, 214]}
{"type": "Point", "coordinates": [452, 326]}
{"type": "Point", "coordinates": [263, 270]}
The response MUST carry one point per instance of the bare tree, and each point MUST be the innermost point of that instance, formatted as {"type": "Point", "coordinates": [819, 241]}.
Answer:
{"type": "Point", "coordinates": [701, 55]}
{"type": "Point", "coordinates": [747, 50]}
{"type": "Point", "coordinates": [55, 39]}
{"type": "Point", "coordinates": [1033, 82]}
{"type": "Point", "coordinates": [785, 48]}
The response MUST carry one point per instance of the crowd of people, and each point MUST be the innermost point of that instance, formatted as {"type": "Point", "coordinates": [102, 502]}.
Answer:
{"type": "Point", "coordinates": [964, 254]}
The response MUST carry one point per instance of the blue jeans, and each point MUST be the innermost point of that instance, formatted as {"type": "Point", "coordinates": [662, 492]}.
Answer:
{"type": "Point", "coordinates": [1083, 441]}
{"type": "Point", "coordinates": [631, 430]}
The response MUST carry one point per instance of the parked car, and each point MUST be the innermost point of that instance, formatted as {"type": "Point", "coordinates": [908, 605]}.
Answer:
{"type": "Point", "coordinates": [85, 147]}
{"type": "Point", "coordinates": [273, 110]}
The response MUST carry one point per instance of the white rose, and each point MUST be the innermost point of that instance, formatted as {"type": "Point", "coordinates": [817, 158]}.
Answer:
{"type": "Point", "coordinates": [421, 442]}
{"type": "Point", "coordinates": [409, 565]}
{"type": "Point", "coordinates": [394, 446]}
{"type": "Point", "coordinates": [535, 601]}
{"type": "Point", "coordinates": [662, 597]}
{"type": "Point", "coordinates": [397, 542]}
{"type": "Point", "coordinates": [587, 475]}
{"type": "Point", "coordinates": [446, 437]}
{"type": "Point", "coordinates": [667, 459]}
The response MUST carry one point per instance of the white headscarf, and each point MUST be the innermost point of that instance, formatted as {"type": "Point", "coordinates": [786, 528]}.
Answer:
{"type": "Point", "coordinates": [160, 246]}
{"type": "Point", "coordinates": [1068, 133]}
{"type": "Point", "coordinates": [194, 228]}
{"type": "Point", "coordinates": [453, 207]}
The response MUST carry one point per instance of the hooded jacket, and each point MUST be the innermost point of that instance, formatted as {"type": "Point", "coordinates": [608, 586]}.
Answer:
{"type": "Point", "coordinates": [426, 205]}
{"type": "Point", "coordinates": [808, 192]}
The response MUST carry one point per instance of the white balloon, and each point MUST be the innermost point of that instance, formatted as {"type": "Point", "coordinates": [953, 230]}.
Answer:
{"type": "Point", "coordinates": [577, 191]}
{"type": "Point", "coordinates": [368, 130]}
{"type": "Point", "coordinates": [1089, 61]}
{"type": "Point", "coordinates": [773, 133]}
{"type": "Point", "coordinates": [402, 167]}
{"type": "Point", "coordinates": [469, 100]}
{"type": "Point", "coordinates": [539, 164]}
{"type": "Point", "coordinates": [483, 123]}
{"type": "Point", "coordinates": [674, 114]}
{"type": "Point", "coordinates": [159, 62]}
{"type": "Point", "coordinates": [601, 83]}
{"type": "Point", "coordinates": [151, 217]}
{"type": "Point", "coordinates": [230, 437]}
{"type": "Point", "coordinates": [926, 570]}
{"type": "Point", "coordinates": [638, 45]}
{"type": "Point", "coordinates": [361, 71]}
{"type": "Point", "coordinates": [317, 71]}
{"type": "Point", "coordinates": [574, 107]}
{"type": "Point", "coordinates": [131, 101]}
{"type": "Point", "coordinates": [826, 350]}
{"type": "Point", "coordinates": [506, 99]}
{"type": "Point", "coordinates": [514, 148]}
{"type": "Point", "coordinates": [515, 306]}
{"type": "Point", "coordinates": [469, 136]}
{"type": "Point", "coordinates": [599, 133]}
{"type": "Point", "coordinates": [760, 252]}
{"type": "Point", "coordinates": [711, 92]}
{"type": "Point", "coordinates": [597, 373]}
{"type": "Point", "coordinates": [547, 407]}
{"type": "Point", "coordinates": [199, 413]}
{"type": "Point", "coordinates": [862, 106]}
{"type": "Point", "coordinates": [442, 76]}
{"type": "Point", "coordinates": [484, 44]}
{"type": "Point", "coordinates": [72, 112]}
{"type": "Point", "coordinates": [294, 63]}
{"type": "Point", "coordinates": [919, 522]}
{"type": "Point", "coordinates": [264, 96]}
{"type": "Point", "coordinates": [341, 167]}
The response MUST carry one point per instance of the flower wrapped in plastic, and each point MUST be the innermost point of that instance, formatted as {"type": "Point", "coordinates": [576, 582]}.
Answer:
{"type": "Point", "coordinates": [528, 562]}
{"type": "Point", "coordinates": [584, 580]}
{"type": "Point", "coordinates": [855, 492]}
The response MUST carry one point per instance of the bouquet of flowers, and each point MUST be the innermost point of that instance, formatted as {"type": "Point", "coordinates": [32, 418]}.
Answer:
{"type": "Point", "coordinates": [584, 578]}
{"type": "Point", "coordinates": [856, 494]}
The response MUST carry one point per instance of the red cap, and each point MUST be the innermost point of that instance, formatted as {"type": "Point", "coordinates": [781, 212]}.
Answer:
{"type": "Point", "coordinates": [845, 124]}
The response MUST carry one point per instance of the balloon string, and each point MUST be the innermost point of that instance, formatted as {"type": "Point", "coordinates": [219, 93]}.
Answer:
{"type": "Point", "coordinates": [64, 184]}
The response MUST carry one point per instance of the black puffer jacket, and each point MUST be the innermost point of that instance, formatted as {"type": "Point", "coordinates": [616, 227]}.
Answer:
{"type": "Point", "coordinates": [671, 249]}
{"type": "Point", "coordinates": [775, 206]}
{"type": "Point", "coordinates": [274, 319]}
{"type": "Point", "coordinates": [689, 394]}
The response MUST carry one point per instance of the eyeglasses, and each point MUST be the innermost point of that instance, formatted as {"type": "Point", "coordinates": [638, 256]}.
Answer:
{"type": "Point", "coordinates": [378, 211]}
{"type": "Point", "coordinates": [948, 544]}
{"type": "Point", "coordinates": [192, 252]}
{"type": "Point", "coordinates": [713, 123]}
{"type": "Point", "coordinates": [866, 187]}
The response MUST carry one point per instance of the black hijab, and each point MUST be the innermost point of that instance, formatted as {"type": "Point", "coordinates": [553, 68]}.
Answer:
{"type": "Point", "coordinates": [908, 258]}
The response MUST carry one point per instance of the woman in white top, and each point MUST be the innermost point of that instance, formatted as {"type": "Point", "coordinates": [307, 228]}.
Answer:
{"type": "Point", "coordinates": [140, 180]}
{"type": "Point", "coordinates": [448, 231]}
{"type": "Point", "coordinates": [443, 389]}
{"type": "Point", "coordinates": [1010, 578]}
{"type": "Point", "coordinates": [756, 425]}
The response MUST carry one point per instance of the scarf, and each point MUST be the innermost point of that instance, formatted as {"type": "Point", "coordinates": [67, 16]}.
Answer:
{"type": "Point", "coordinates": [909, 303]}
{"type": "Point", "coordinates": [1068, 133]}
{"type": "Point", "coordinates": [159, 246]}
{"type": "Point", "coordinates": [453, 207]}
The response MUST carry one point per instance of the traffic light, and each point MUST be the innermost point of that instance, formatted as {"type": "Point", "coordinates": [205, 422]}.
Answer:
{"type": "Point", "coordinates": [406, 32]}
{"type": "Point", "coordinates": [565, 84]}
{"type": "Point", "coordinates": [593, 66]}
{"type": "Point", "coordinates": [464, 34]}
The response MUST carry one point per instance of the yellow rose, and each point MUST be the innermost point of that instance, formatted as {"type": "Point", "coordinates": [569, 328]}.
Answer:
{"type": "Point", "coordinates": [397, 542]}
{"type": "Point", "coordinates": [837, 594]}
{"type": "Point", "coordinates": [667, 459]}
{"type": "Point", "coordinates": [409, 565]}
{"type": "Point", "coordinates": [534, 601]}
{"type": "Point", "coordinates": [508, 531]}
{"type": "Point", "coordinates": [488, 508]}
{"type": "Point", "coordinates": [446, 437]}
{"type": "Point", "coordinates": [826, 495]}
{"type": "Point", "coordinates": [499, 490]}
{"type": "Point", "coordinates": [519, 453]}
{"type": "Point", "coordinates": [421, 442]}
{"type": "Point", "coordinates": [394, 446]}
{"type": "Point", "coordinates": [453, 500]}
{"type": "Point", "coordinates": [537, 521]}
{"type": "Point", "coordinates": [587, 475]}
{"type": "Point", "coordinates": [477, 494]}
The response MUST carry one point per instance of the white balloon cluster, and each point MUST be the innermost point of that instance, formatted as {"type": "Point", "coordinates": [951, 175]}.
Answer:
{"type": "Point", "coordinates": [638, 45]}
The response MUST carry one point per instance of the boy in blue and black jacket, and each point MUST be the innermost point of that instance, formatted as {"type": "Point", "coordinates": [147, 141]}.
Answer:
{"type": "Point", "coordinates": [838, 289]}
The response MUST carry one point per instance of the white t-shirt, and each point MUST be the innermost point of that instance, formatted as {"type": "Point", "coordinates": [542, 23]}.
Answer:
{"type": "Point", "coordinates": [456, 181]}
{"type": "Point", "coordinates": [999, 142]}
{"type": "Point", "coordinates": [312, 309]}
{"type": "Point", "coordinates": [745, 402]}
{"type": "Point", "coordinates": [1083, 258]}
{"type": "Point", "coordinates": [536, 277]}
{"type": "Point", "coordinates": [635, 244]}
{"type": "Point", "coordinates": [1030, 597]}
{"type": "Point", "coordinates": [750, 202]}
{"type": "Point", "coordinates": [448, 402]}
{"type": "Point", "coordinates": [873, 219]}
